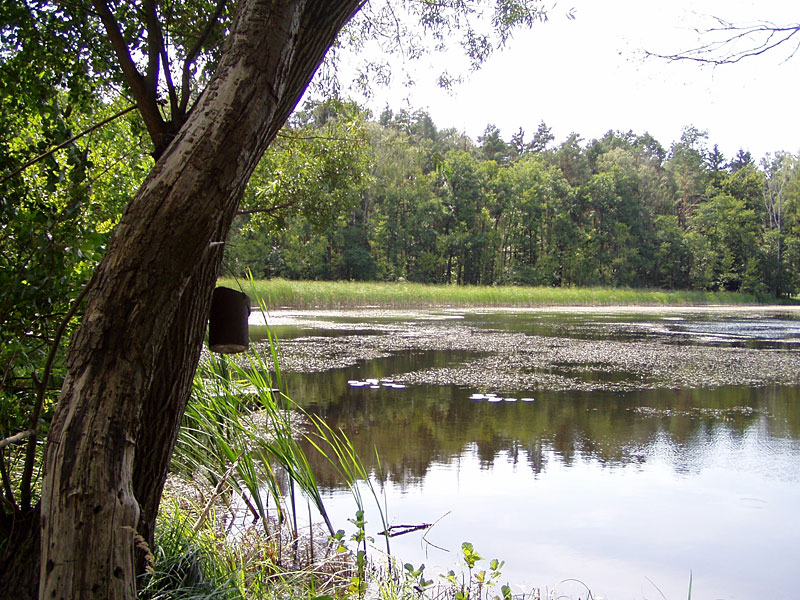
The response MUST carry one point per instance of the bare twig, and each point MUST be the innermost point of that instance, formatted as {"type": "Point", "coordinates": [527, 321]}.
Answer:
{"type": "Point", "coordinates": [760, 38]}
{"type": "Point", "coordinates": [217, 491]}
{"type": "Point", "coordinates": [397, 530]}
{"type": "Point", "coordinates": [30, 452]}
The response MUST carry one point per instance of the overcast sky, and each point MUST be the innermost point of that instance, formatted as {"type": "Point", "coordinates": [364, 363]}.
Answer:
{"type": "Point", "coordinates": [590, 74]}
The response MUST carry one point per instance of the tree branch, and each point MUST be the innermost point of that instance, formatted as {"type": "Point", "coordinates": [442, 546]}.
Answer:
{"type": "Point", "coordinates": [174, 106]}
{"type": "Point", "coordinates": [761, 38]}
{"type": "Point", "coordinates": [41, 157]}
{"type": "Point", "coordinates": [17, 437]}
{"type": "Point", "coordinates": [155, 42]}
{"type": "Point", "coordinates": [271, 209]}
{"type": "Point", "coordinates": [144, 90]}
{"type": "Point", "coordinates": [30, 451]}
{"type": "Point", "coordinates": [6, 481]}
{"type": "Point", "coordinates": [327, 138]}
{"type": "Point", "coordinates": [194, 52]}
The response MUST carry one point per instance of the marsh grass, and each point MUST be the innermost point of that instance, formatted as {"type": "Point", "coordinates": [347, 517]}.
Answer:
{"type": "Point", "coordinates": [211, 563]}
{"type": "Point", "coordinates": [240, 446]}
{"type": "Point", "coordinates": [239, 437]}
{"type": "Point", "coordinates": [279, 293]}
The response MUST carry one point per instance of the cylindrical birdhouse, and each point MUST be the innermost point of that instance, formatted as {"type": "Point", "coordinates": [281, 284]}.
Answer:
{"type": "Point", "coordinates": [227, 328]}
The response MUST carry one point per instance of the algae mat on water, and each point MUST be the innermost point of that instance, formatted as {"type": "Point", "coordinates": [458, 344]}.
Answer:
{"type": "Point", "coordinates": [600, 349]}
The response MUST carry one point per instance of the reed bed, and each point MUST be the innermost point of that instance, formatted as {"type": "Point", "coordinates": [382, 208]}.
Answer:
{"type": "Point", "coordinates": [283, 293]}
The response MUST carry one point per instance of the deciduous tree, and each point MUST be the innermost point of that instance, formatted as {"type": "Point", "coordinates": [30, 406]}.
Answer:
{"type": "Point", "coordinates": [213, 83]}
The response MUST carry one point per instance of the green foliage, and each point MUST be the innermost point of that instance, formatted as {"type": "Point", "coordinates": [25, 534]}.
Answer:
{"type": "Point", "coordinates": [729, 232]}
{"type": "Point", "coordinates": [470, 556]}
{"type": "Point", "coordinates": [56, 216]}
{"type": "Point", "coordinates": [61, 194]}
{"type": "Point", "coordinates": [429, 206]}
{"type": "Point", "coordinates": [315, 172]}
{"type": "Point", "coordinates": [315, 168]}
{"type": "Point", "coordinates": [479, 584]}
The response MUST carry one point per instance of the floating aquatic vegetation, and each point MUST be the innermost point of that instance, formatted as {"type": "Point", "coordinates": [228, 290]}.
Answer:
{"type": "Point", "coordinates": [516, 361]}
{"type": "Point", "coordinates": [493, 397]}
{"type": "Point", "coordinates": [697, 411]}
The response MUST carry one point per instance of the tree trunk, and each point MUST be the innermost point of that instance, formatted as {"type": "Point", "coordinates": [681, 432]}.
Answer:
{"type": "Point", "coordinates": [163, 408]}
{"type": "Point", "coordinates": [146, 308]}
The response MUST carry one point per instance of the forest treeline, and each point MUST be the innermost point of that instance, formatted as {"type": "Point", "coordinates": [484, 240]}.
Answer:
{"type": "Point", "coordinates": [347, 196]}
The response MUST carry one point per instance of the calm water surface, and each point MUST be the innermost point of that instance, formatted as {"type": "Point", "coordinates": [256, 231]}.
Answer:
{"type": "Point", "coordinates": [629, 492]}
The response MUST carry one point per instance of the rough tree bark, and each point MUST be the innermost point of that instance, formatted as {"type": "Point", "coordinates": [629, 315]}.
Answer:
{"type": "Point", "coordinates": [164, 405]}
{"type": "Point", "coordinates": [131, 359]}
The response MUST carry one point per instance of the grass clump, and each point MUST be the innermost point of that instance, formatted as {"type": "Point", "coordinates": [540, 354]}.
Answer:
{"type": "Point", "coordinates": [210, 562]}
{"type": "Point", "coordinates": [352, 294]}
{"type": "Point", "coordinates": [229, 528]}
{"type": "Point", "coordinates": [188, 563]}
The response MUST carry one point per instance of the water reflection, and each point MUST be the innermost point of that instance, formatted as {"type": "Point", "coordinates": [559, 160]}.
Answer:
{"type": "Point", "coordinates": [768, 329]}
{"type": "Point", "coordinates": [616, 526]}
{"type": "Point", "coordinates": [418, 426]}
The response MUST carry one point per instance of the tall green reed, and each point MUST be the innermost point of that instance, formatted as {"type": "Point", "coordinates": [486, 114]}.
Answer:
{"type": "Point", "coordinates": [350, 294]}
{"type": "Point", "coordinates": [238, 431]}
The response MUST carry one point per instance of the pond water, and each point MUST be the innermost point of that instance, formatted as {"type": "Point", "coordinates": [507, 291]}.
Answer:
{"type": "Point", "coordinates": [635, 488]}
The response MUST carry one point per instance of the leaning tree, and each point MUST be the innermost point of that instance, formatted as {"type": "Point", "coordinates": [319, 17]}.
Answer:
{"type": "Point", "coordinates": [131, 361]}
{"type": "Point", "coordinates": [213, 82]}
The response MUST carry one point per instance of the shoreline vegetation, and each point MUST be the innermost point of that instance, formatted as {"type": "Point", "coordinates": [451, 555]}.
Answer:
{"type": "Point", "coordinates": [283, 293]}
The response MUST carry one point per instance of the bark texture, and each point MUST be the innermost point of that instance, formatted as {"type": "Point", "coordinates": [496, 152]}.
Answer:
{"type": "Point", "coordinates": [164, 405]}
{"type": "Point", "coordinates": [131, 360]}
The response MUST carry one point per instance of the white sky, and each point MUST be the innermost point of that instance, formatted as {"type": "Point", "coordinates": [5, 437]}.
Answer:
{"type": "Point", "coordinates": [589, 75]}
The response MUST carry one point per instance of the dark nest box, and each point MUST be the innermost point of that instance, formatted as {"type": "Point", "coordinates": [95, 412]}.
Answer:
{"type": "Point", "coordinates": [227, 328]}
